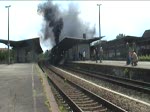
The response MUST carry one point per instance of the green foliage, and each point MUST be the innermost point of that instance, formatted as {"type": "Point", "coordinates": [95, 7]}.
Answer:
{"type": "Point", "coordinates": [4, 55]}
{"type": "Point", "coordinates": [144, 58]}
{"type": "Point", "coordinates": [126, 71]}
{"type": "Point", "coordinates": [44, 55]}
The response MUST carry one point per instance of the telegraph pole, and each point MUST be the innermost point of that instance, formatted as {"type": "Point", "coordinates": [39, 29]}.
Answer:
{"type": "Point", "coordinates": [8, 34]}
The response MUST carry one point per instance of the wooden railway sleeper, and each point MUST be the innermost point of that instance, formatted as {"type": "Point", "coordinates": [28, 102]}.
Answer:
{"type": "Point", "coordinates": [78, 96]}
{"type": "Point", "coordinates": [74, 92]}
{"type": "Point", "coordinates": [81, 101]}
{"type": "Point", "coordinates": [89, 104]}
{"type": "Point", "coordinates": [94, 108]}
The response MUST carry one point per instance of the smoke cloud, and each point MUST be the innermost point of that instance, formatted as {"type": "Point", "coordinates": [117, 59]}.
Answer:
{"type": "Point", "coordinates": [73, 25]}
{"type": "Point", "coordinates": [54, 23]}
{"type": "Point", "coordinates": [60, 24]}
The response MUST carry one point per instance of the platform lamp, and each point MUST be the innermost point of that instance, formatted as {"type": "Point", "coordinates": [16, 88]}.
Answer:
{"type": "Point", "coordinates": [8, 34]}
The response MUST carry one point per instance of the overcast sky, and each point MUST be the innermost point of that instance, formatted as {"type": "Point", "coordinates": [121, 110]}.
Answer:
{"type": "Point", "coordinates": [127, 17]}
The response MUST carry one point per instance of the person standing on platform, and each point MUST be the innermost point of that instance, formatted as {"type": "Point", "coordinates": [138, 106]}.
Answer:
{"type": "Point", "coordinates": [129, 58]}
{"type": "Point", "coordinates": [100, 54]}
{"type": "Point", "coordinates": [79, 56]}
{"type": "Point", "coordinates": [84, 55]}
{"type": "Point", "coordinates": [96, 54]}
{"type": "Point", "coordinates": [134, 58]}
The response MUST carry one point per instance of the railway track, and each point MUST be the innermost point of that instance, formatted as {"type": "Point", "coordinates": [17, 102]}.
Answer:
{"type": "Point", "coordinates": [78, 98]}
{"type": "Point", "coordinates": [130, 84]}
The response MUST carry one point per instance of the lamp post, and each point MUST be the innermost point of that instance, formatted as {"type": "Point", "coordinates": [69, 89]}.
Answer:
{"type": "Point", "coordinates": [99, 20]}
{"type": "Point", "coordinates": [8, 34]}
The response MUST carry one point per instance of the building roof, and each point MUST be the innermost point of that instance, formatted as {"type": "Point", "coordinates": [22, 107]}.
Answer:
{"type": "Point", "coordinates": [121, 42]}
{"type": "Point", "coordinates": [124, 39]}
{"type": "Point", "coordinates": [146, 33]}
{"type": "Point", "coordinates": [67, 43]}
{"type": "Point", "coordinates": [25, 43]}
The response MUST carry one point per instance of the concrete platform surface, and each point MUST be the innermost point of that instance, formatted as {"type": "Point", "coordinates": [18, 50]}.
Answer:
{"type": "Point", "coordinates": [141, 64]}
{"type": "Point", "coordinates": [21, 89]}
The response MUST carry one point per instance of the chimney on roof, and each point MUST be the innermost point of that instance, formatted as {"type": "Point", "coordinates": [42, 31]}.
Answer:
{"type": "Point", "coordinates": [84, 36]}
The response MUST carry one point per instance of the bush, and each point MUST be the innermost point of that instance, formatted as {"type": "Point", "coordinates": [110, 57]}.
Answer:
{"type": "Point", "coordinates": [144, 58]}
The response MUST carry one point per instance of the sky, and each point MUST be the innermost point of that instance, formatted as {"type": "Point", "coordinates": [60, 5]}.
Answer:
{"type": "Point", "coordinates": [127, 17]}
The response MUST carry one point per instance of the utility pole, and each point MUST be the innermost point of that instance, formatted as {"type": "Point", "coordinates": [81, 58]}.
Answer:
{"type": "Point", "coordinates": [8, 34]}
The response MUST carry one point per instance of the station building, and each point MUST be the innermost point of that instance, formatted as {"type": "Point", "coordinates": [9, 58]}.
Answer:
{"type": "Point", "coordinates": [69, 49]}
{"type": "Point", "coordinates": [118, 48]}
{"type": "Point", "coordinates": [25, 50]}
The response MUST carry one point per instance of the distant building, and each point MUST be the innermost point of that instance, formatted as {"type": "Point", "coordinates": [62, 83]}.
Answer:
{"type": "Point", "coordinates": [118, 48]}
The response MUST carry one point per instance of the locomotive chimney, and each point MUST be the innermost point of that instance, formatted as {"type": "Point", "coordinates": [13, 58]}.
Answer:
{"type": "Point", "coordinates": [84, 36]}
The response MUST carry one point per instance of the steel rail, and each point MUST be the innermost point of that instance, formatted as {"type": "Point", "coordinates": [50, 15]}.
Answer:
{"type": "Point", "coordinates": [97, 98]}
{"type": "Point", "coordinates": [73, 106]}
{"type": "Point", "coordinates": [132, 84]}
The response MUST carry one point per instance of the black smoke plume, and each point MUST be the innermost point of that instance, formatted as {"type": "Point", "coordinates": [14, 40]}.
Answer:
{"type": "Point", "coordinates": [50, 13]}
{"type": "Point", "coordinates": [59, 23]}
{"type": "Point", "coordinates": [57, 29]}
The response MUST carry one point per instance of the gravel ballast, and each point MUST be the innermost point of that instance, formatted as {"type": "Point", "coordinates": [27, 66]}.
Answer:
{"type": "Point", "coordinates": [127, 103]}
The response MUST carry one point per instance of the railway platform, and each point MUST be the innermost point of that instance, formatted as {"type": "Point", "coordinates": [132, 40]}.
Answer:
{"type": "Point", "coordinates": [141, 64]}
{"type": "Point", "coordinates": [117, 68]}
{"type": "Point", "coordinates": [21, 89]}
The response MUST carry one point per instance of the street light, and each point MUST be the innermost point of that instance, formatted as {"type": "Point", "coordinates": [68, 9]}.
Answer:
{"type": "Point", "coordinates": [8, 34]}
{"type": "Point", "coordinates": [99, 21]}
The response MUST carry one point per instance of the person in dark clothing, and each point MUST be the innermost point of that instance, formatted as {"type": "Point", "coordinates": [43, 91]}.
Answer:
{"type": "Point", "coordinates": [100, 54]}
{"type": "Point", "coordinates": [96, 54]}
{"type": "Point", "coordinates": [129, 58]}
{"type": "Point", "coordinates": [79, 56]}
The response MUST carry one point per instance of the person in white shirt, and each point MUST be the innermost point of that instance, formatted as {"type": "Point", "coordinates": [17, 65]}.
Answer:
{"type": "Point", "coordinates": [134, 58]}
{"type": "Point", "coordinates": [84, 55]}
{"type": "Point", "coordinates": [100, 54]}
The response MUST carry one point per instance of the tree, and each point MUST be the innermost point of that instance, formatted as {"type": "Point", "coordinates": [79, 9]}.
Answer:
{"type": "Point", "coordinates": [44, 55]}
{"type": "Point", "coordinates": [120, 36]}
{"type": "Point", "coordinates": [4, 55]}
